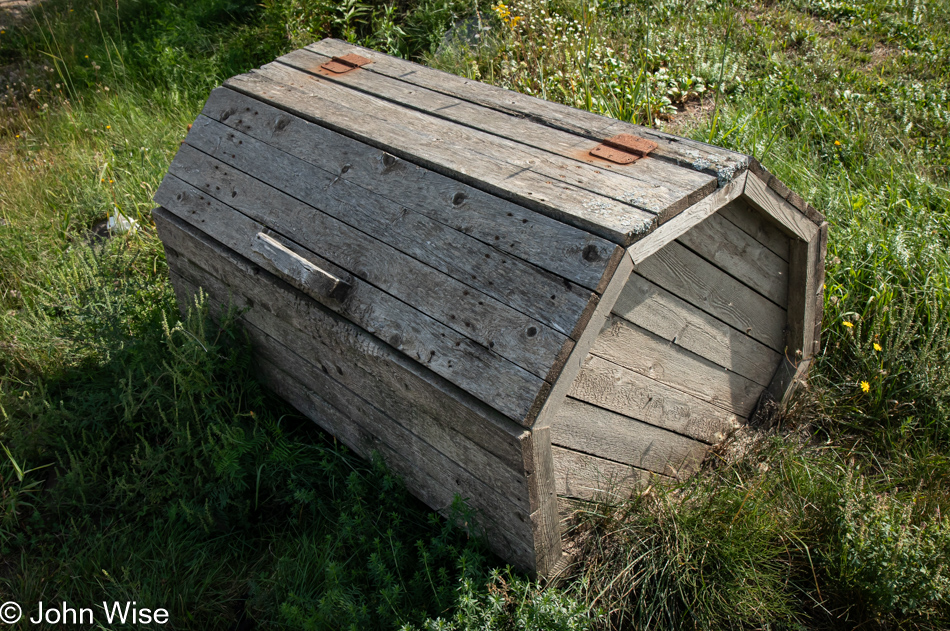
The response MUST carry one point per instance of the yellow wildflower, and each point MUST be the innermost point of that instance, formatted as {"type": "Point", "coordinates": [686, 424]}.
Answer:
{"type": "Point", "coordinates": [503, 11]}
{"type": "Point", "coordinates": [865, 386]}
{"type": "Point", "coordinates": [837, 143]}
{"type": "Point", "coordinates": [847, 324]}
{"type": "Point", "coordinates": [108, 126]}
{"type": "Point", "coordinates": [877, 347]}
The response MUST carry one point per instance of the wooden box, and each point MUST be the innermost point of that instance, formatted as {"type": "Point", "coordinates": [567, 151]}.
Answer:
{"type": "Point", "coordinates": [472, 283]}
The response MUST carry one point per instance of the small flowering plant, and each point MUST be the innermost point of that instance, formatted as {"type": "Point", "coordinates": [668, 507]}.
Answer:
{"type": "Point", "coordinates": [888, 368]}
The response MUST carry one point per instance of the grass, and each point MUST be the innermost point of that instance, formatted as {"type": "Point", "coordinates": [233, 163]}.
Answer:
{"type": "Point", "coordinates": [144, 462]}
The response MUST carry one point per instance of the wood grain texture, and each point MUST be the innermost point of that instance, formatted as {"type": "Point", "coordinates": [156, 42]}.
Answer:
{"type": "Point", "coordinates": [435, 481]}
{"type": "Point", "coordinates": [545, 522]}
{"type": "Point", "coordinates": [582, 476]}
{"type": "Point", "coordinates": [766, 200]}
{"type": "Point", "coordinates": [757, 225]}
{"type": "Point", "coordinates": [306, 316]}
{"type": "Point", "coordinates": [457, 152]}
{"type": "Point", "coordinates": [788, 376]}
{"type": "Point", "coordinates": [611, 386]}
{"type": "Point", "coordinates": [688, 153]}
{"type": "Point", "coordinates": [342, 340]}
{"type": "Point", "coordinates": [818, 286]}
{"type": "Point", "coordinates": [516, 128]}
{"type": "Point", "coordinates": [680, 224]}
{"type": "Point", "coordinates": [802, 298]}
{"type": "Point", "coordinates": [565, 251]}
{"type": "Point", "coordinates": [628, 345]}
{"type": "Point", "coordinates": [586, 341]}
{"type": "Point", "coordinates": [698, 282]}
{"type": "Point", "coordinates": [416, 292]}
{"type": "Point", "coordinates": [509, 280]}
{"type": "Point", "coordinates": [739, 255]}
{"type": "Point", "coordinates": [298, 270]}
{"type": "Point", "coordinates": [412, 410]}
{"type": "Point", "coordinates": [660, 312]}
{"type": "Point", "coordinates": [583, 427]}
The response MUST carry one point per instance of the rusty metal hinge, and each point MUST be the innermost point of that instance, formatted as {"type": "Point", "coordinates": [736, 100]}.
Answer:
{"type": "Point", "coordinates": [339, 65]}
{"type": "Point", "coordinates": [623, 148]}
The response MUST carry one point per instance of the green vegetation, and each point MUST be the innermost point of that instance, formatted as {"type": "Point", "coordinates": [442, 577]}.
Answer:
{"type": "Point", "coordinates": [142, 461]}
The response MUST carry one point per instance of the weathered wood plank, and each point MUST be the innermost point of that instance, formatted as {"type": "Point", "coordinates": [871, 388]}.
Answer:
{"type": "Point", "coordinates": [524, 287]}
{"type": "Point", "coordinates": [757, 226]}
{"type": "Point", "coordinates": [586, 341]}
{"type": "Point", "coordinates": [658, 311]}
{"type": "Point", "coordinates": [563, 250]}
{"type": "Point", "coordinates": [788, 217]}
{"type": "Point", "coordinates": [582, 476]}
{"type": "Point", "coordinates": [688, 153]}
{"type": "Point", "coordinates": [298, 270]}
{"type": "Point", "coordinates": [698, 282]}
{"type": "Point", "coordinates": [470, 148]}
{"type": "Point", "coordinates": [818, 286]}
{"type": "Point", "coordinates": [453, 153]}
{"type": "Point", "coordinates": [516, 128]}
{"type": "Point", "coordinates": [228, 193]}
{"type": "Point", "coordinates": [683, 222]}
{"type": "Point", "coordinates": [426, 407]}
{"type": "Point", "coordinates": [593, 430]}
{"type": "Point", "coordinates": [739, 255]}
{"type": "Point", "coordinates": [804, 262]}
{"type": "Point", "coordinates": [433, 480]}
{"type": "Point", "coordinates": [630, 346]}
{"type": "Point", "coordinates": [545, 522]}
{"type": "Point", "coordinates": [410, 409]}
{"type": "Point", "coordinates": [468, 365]}
{"type": "Point", "coordinates": [788, 376]}
{"type": "Point", "coordinates": [608, 385]}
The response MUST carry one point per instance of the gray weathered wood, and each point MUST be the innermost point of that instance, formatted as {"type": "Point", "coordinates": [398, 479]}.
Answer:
{"type": "Point", "coordinates": [658, 311]}
{"type": "Point", "coordinates": [298, 271]}
{"type": "Point", "coordinates": [407, 407]}
{"type": "Point", "coordinates": [788, 376]}
{"type": "Point", "coordinates": [765, 199]}
{"type": "Point", "coordinates": [757, 225]}
{"type": "Point", "coordinates": [493, 454]}
{"type": "Point", "coordinates": [593, 430]}
{"type": "Point", "coordinates": [586, 341]}
{"type": "Point", "coordinates": [518, 129]}
{"type": "Point", "coordinates": [699, 156]}
{"type": "Point", "coordinates": [468, 365]}
{"type": "Point", "coordinates": [365, 429]}
{"type": "Point", "coordinates": [700, 283]}
{"type": "Point", "coordinates": [583, 476]}
{"type": "Point", "coordinates": [523, 286]}
{"type": "Point", "coordinates": [433, 481]}
{"type": "Point", "coordinates": [545, 522]}
{"type": "Point", "coordinates": [685, 220]}
{"type": "Point", "coordinates": [451, 150]}
{"type": "Point", "coordinates": [740, 256]}
{"type": "Point", "coordinates": [630, 346]}
{"type": "Point", "coordinates": [802, 299]}
{"type": "Point", "coordinates": [818, 286]}
{"type": "Point", "coordinates": [513, 335]}
{"type": "Point", "coordinates": [548, 243]}
{"type": "Point", "coordinates": [608, 385]}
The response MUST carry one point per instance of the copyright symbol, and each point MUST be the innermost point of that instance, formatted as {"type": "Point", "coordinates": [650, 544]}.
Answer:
{"type": "Point", "coordinates": [10, 613]}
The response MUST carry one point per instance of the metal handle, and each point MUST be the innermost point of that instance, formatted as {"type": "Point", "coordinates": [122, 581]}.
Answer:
{"type": "Point", "coordinates": [298, 271]}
